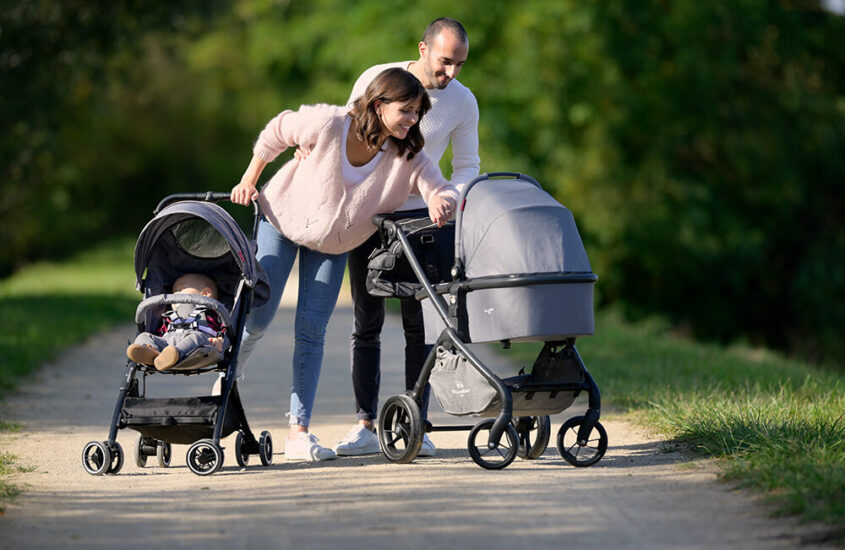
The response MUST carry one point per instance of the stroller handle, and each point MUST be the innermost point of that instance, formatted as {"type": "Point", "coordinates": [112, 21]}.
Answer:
{"type": "Point", "coordinates": [208, 196]}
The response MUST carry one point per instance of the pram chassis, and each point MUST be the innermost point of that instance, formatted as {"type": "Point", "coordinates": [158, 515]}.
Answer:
{"type": "Point", "coordinates": [205, 455]}
{"type": "Point", "coordinates": [451, 338]}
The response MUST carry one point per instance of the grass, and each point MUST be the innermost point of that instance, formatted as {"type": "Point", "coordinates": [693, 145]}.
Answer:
{"type": "Point", "coordinates": [47, 307]}
{"type": "Point", "coordinates": [776, 425]}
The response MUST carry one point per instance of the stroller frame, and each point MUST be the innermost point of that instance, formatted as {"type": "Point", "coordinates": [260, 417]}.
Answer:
{"type": "Point", "coordinates": [400, 424]}
{"type": "Point", "coordinates": [224, 413]}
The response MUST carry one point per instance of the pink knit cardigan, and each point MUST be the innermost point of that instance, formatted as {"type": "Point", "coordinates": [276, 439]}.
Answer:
{"type": "Point", "coordinates": [307, 200]}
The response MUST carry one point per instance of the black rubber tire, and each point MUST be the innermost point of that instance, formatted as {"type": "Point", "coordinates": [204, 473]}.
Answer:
{"type": "Point", "coordinates": [265, 446]}
{"type": "Point", "coordinates": [164, 452]}
{"type": "Point", "coordinates": [567, 442]}
{"type": "Point", "coordinates": [241, 454]}
{"type": "Point", "coordinates": [537, 427]}
{"type": "Point", "coordinates": [116, 458]}
{"type": "Point", "coordinates": [204, 457]}
{"type": "Point", "coordinates": [96, 457]}
{"type": "Point", "coordinates": [482, 454]}
{"type": "Point", "coordinates": [140, 457]}
{"type": "Point", "coordinates": [400, 429]}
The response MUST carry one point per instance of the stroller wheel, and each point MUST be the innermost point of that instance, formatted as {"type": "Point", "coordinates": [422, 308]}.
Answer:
{"type": "Point", "coordinates": [537, 427]}
{"type": "Point", "coordinates": [204, 457]}
{"type": "Point", "coordinates": [400, 429]}
{"type": "Point", "coordinates": [265, 447]}
{"type": "Point", "coordinates": [96, 458]}
{"type": "Point", "coordinates": [241, 453]}
{"type": "Point", "coordinates": [145, 447]}
{"type": "Point", "coordinates": [499, 456]}
{"type": "Point", "coordinates": [116, 458]}
{"type": "Point", "coordinates": [575, 453]}
{"type": "Point", "coordinates": [163, 453]}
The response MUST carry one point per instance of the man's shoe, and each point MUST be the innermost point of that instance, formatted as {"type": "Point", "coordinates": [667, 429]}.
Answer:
{"type": "Point", "coordinates": [359, 441]}
{"type": "Point", "coordinates": [144, 355]}
{"type": "Point", "coordinates": [428, 448]}
{"type": "Point", "coordinates": [305, 447]}
{"type": "Point", "coordinates": [168, 357]}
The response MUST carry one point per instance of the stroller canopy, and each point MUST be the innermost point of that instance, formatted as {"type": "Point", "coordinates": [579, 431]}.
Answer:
{"type": "Point", "coordinates": [198, 237]}
{"type": "Point", "coordinates": [512, 226]}
{"type": "Point", "coordinates": [509, 227]}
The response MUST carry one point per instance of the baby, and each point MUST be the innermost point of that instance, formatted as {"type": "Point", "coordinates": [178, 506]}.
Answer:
{"type": "Point", "coordinates": [183, 329]}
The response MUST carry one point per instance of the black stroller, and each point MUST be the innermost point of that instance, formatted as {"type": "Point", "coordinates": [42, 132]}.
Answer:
{"type": "Point", "coordinates": [189, 234]}
{"type": "Point", "coordinates": [515, 271]}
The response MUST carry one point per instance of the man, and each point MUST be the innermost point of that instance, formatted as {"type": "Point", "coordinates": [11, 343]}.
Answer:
{"type": "Point", "coordinates": [453, 118]}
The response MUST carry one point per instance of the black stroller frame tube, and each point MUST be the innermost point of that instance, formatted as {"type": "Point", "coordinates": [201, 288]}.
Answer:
{"type": "Point", "coordinates": [450, 335]}
{"type": "Point", "coordinates": [121, 398]}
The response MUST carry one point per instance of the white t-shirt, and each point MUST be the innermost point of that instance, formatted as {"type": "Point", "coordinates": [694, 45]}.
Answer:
{"type": "Point", "coordinates": [353, 175]}
{"type": "Point", "coordinates": [453, 117]}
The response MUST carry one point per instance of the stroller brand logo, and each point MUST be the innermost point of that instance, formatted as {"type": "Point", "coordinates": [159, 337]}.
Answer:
{"type": "Point", "coordinates": [460, 388]}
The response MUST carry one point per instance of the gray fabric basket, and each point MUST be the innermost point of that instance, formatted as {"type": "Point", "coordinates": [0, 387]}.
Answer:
{"type": "Point", "coordinates": [459, 388]}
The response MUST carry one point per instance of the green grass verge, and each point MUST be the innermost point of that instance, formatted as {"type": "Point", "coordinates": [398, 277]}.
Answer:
{"type": "Point", "coordinates": [47, 307]}
{"type": "Point", "coordinates": [776, 424]}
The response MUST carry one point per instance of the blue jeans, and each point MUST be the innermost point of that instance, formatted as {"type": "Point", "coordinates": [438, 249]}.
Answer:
{"type": "Point", "coordinates": [320, 277]}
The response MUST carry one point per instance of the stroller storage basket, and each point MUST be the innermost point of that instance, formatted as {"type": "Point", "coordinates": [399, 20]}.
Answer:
{"type": "Point", "coordinates": [179, 420]}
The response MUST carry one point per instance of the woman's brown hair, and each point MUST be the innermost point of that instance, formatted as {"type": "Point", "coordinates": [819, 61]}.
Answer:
{"type": "Point", "coordinates": [390, 85]}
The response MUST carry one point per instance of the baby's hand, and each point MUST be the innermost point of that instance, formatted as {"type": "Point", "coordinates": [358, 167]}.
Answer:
{"type": "Point", "coordinates": [217, 342]}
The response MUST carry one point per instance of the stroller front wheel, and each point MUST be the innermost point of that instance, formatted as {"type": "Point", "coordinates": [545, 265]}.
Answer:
{"type": "Point", "coordinates": [497, 457]}
{"type": "Point", "coordinates": [204, 457]}
{"type": "Point", "coordinates": [575, 453]}
{"type": "Point", "coordinates": [400, 429]}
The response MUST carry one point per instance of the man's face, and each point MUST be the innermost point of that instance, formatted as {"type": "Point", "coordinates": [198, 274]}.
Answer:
{"type": "Point", "coordinates": [443, 59]}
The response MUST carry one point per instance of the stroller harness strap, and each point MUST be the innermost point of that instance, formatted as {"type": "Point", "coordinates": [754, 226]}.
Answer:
{"type": "Point", "coordinates": [199, 318]}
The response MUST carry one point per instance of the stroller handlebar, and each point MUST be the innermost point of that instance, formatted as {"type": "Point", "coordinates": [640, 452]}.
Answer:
{"type": "Point", "coordinates": [208, 196]}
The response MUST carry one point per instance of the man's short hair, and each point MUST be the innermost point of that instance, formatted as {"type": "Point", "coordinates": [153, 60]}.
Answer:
{"type": "Point", "coordinates": [438, 25]}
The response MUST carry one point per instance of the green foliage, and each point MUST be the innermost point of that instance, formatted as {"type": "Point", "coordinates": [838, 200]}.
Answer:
{"type": "Point", "coordinates": [47, 307]}
{"type": "Point", "coordinates": [697, 143]}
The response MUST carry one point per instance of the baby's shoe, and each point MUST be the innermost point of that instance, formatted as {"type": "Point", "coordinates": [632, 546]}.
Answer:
{"type": "Point", "coordinates": [168, 357]}
{"type": "Point", "coordinates": [144, 355]}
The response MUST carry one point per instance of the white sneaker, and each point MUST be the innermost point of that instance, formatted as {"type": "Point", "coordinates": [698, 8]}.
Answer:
{"type": "Point", "coordinates": [305, 447]}
{"type": "Point", "coordinates": [428, 448]}
{"type": "Point", "coordinates": [359, 441]}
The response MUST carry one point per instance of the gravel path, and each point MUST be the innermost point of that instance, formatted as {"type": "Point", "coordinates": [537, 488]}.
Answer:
{"type": "Point", "coordinates": [639, 496]}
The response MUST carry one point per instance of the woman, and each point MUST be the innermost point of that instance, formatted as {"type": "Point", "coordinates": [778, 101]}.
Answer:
{"type": "Point", "coordinates": [362, 162]}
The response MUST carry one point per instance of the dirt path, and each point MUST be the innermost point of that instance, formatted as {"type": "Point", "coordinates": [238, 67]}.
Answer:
{"type": "Point", "coordinates": [638, 496]}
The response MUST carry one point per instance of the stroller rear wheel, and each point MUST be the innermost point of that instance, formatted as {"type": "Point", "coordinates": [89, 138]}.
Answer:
{"type": "Point", "coordinates": [574, 452]}
{"type": "Point", "coordinates": [163, 453]}
{"type": "Point", "coordinates": [265, 447]}
{"type": "Point", "coordinates": [241, 452]}
{"type": "Point", "coordinates": [204, 457]}
{"type": "Point", "coordinates": [537, 427]}
{"type": "Point", "coordinates": [497, 457]}
{"type": "Point", "coordinates": [400, 429]}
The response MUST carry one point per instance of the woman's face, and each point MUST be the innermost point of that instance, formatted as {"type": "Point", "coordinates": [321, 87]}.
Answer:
{"type": "Point", "coordinates": [398, 117]}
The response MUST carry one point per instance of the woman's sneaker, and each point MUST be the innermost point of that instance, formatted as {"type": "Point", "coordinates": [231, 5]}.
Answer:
{"type": "Point", "coordinates": [359, 441]}
{"type": "Point", "coordinates": [305, 447]}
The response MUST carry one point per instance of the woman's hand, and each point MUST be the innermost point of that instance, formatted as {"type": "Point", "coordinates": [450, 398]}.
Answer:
{"type": "Point", "coordinates": [244, 193]}
{"type": "Point", "coordinates": [440, 209]}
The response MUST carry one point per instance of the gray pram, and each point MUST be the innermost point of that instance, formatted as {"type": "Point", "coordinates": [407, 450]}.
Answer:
{"type": "Point", "coordinates": [189, 234]}
{"type": "Point", "coordinates": [519, 273]}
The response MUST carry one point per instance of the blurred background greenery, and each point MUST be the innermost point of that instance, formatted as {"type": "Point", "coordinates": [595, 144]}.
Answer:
{"type": "Point", "coordinates": [700, 145]}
